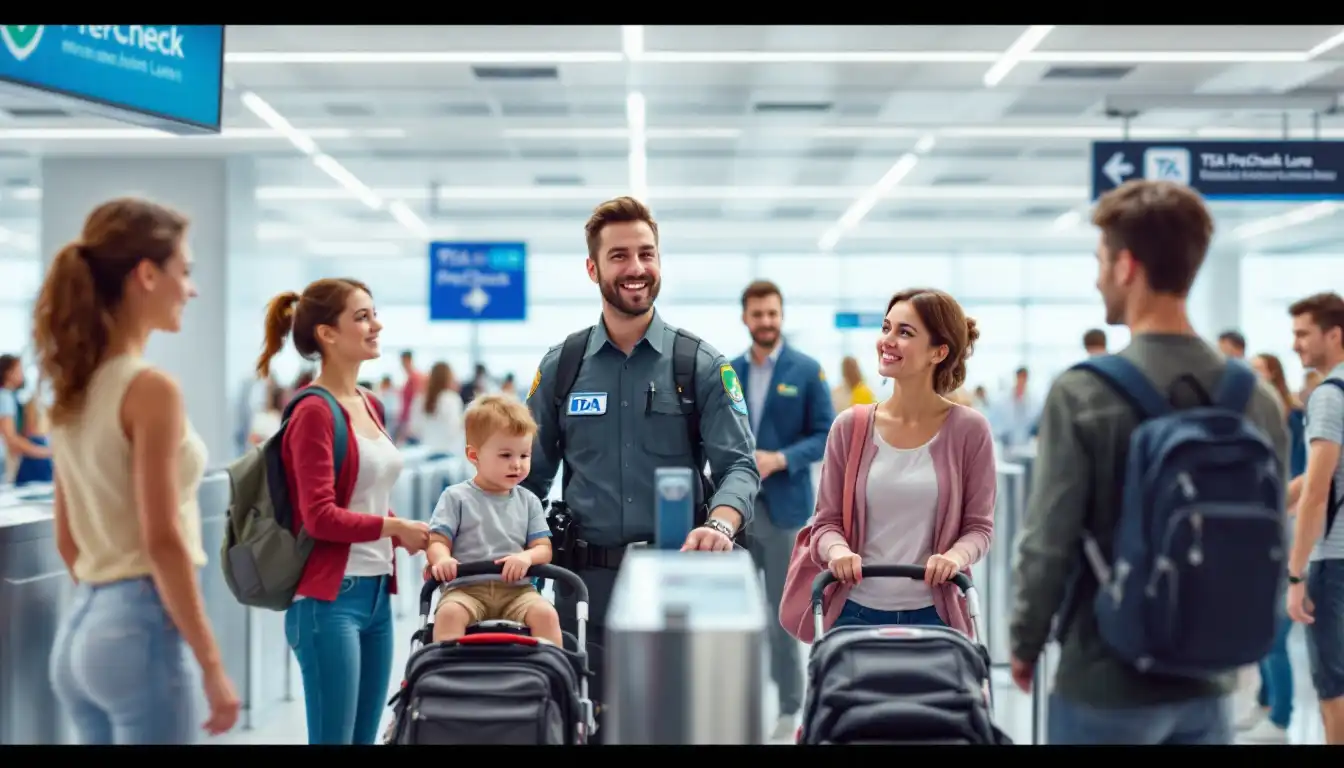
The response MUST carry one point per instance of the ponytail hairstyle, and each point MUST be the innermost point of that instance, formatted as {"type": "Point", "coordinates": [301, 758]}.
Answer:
{"type": "Point", "coordinates": [945, 321]}
{"type": "Point", "coordinates": [74, 318]}
{"type": "Point", "coordinates": [299, 315]}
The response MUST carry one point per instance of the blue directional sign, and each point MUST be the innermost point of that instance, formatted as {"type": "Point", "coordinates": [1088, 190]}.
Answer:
{"type": "Point", "coordinates": [851, 320]}
{"type": "Point", "coordinates": [477, 281]}
{"type": "Point", "coordinates": [165, 76]}
{"type": "Point", "coordinates": [1226, 170]}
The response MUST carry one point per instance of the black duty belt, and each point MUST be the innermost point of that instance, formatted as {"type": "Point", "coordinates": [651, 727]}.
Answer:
{"type": "Point", "coordinates": [594, 556]}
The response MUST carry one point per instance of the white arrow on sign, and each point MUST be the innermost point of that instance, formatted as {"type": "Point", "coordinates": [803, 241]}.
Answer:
{"type": "Point", "coordinates": [1116, 169]}
{"type": "Point", "coordinates": [476, 300]}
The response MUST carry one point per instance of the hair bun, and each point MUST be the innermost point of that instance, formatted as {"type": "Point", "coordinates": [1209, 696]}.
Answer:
{"type": "Point", "coordinates": [972, 331]}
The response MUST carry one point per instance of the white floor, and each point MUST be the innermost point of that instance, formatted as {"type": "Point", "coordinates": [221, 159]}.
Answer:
{"type": "Point", "coordinates": [284, 722]}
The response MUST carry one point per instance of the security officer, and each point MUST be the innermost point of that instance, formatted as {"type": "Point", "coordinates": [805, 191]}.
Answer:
{"type": "Point", "coordinates": [622, 418]}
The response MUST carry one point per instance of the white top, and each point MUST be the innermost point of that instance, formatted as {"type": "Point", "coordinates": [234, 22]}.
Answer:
{"type": "Point", "coordinates": [902, 498]}
{"type": "Point", "coordinates": [380, 465]}
{"type": "Point", "coordinates": [92, 458]}
{"type": "Point", "coordinates": [443, 430]}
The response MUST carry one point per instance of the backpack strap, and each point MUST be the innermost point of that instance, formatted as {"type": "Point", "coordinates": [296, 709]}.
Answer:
{"type": "Point", "coordinates": [566, 374]}
{"type": "Point", "coordinates": [1129, 382]}
{"type": "Point", "coordinates": [1235, 387]}
{"type": "Point", "coordinates": [1333, 502]}
{"type": "Point", "coordinates": [340, 427]}
{"type": "Point", "coordinates": [685, 353]}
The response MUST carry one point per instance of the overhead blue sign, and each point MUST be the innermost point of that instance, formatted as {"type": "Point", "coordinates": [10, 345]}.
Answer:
{"type": "Point", "coordinates": [477, 281]}
{"type": "Point", "coordinates": [165, 76]}
{"type": "Point", "coordinates": [851, 320]}
{"type": "Point", "coordinates": [1226, 170]}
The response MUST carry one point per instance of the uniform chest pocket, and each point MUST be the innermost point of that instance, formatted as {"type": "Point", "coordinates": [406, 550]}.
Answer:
{"type": "Point", "coordinates": [665, 427]}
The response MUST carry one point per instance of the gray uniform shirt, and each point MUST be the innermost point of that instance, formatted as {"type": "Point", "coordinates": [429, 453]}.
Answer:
{"type": "Point", "coordinates": [1082, 446]}
{"type": "Point", "coordinates": [487, 526]}
{"type": "Point", "coordinates": [616, 435]}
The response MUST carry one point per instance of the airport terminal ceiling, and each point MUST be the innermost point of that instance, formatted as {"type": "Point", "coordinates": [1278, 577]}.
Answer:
{"type": "Point", "coordinates": [816, 152]}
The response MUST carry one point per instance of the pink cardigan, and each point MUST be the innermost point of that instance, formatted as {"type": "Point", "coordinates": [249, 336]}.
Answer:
{"type": "Point", "coordinates": [963, 457]}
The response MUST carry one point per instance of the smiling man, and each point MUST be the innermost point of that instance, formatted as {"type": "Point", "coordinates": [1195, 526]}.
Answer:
{"type": "Point", "coordinates": [621, 399]}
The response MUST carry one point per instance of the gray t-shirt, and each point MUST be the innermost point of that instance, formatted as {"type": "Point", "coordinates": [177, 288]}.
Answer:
{"type": "Point", "coordinates": [1325, 421]}
{"type": "Point", "coordinates": [487, 526]}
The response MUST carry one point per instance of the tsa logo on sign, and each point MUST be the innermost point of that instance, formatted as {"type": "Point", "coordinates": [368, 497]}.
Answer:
{"type": "Point", "coordinates": [1167, 164]}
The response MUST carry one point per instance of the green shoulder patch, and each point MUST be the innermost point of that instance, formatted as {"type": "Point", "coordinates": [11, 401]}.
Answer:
{"type": "Point", "coordinates": [733, 388]}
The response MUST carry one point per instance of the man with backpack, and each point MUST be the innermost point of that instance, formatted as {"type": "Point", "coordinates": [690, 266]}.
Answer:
{"type": "Point", "coordinates": [616, 402]}
{"type": "Point", "coordinates": [1316, 566]}
{"type": "Point", "coordinates": [1155, 526]}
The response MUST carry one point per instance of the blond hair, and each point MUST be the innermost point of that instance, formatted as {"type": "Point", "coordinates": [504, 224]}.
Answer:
{"type": "Point", "coordinates": [493, 413]}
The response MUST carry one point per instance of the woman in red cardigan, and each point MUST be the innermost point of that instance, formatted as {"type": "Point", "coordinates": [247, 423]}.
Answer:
{"type": "Point", "coordinates": [340, 625]}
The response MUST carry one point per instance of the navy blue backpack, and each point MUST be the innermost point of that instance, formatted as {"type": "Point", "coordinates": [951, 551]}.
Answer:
{"type": "Point", "coordinates": [1195, 577]}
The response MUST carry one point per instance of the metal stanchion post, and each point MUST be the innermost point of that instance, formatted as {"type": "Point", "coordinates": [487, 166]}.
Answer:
{"type": "Point", "coordinates": [1040, 710]}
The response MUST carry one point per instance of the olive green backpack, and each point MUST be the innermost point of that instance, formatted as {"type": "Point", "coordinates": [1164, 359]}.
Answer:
{"type": "Point", "coordinates": [262, 558]}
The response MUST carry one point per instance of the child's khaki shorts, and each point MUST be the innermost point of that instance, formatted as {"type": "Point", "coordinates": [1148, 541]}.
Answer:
{"type": "Point", "coordinates": [490, 600]}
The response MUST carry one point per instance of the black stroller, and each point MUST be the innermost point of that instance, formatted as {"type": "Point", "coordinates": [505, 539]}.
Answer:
{"type": "Point", "coordinates": [898, 684]}
{"type": "Point", "coordinates": [497, 684]}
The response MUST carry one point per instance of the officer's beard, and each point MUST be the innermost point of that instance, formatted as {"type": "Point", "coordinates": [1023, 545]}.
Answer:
{"type": "Point", "coordinates": [612, 294]}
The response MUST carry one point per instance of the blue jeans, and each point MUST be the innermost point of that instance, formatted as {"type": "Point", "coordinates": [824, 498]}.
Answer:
{"type": "Point", "coordinates": [119, 668]}
{"type": "Point", "coordinates": [1325, 635]}
{"type": "Point", "coordinates": [1198, 721]}
{"type": "Point", "coordinates": [855, 615]}
{"type": "Point", "coordinates": [1276, 677]}
{"type": "Point", "coordinates": [344, 648]}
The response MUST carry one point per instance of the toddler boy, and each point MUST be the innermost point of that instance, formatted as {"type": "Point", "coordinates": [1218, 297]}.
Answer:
{"type": "Point", "coordinates": [490, 518]}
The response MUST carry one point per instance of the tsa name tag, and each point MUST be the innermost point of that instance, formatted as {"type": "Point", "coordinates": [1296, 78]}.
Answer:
{"type": "Point", "coordinates": [587, 404]}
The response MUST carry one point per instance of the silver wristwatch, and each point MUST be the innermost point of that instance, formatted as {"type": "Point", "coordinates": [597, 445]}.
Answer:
{"type": "Point", "coordinates": [720, 526]}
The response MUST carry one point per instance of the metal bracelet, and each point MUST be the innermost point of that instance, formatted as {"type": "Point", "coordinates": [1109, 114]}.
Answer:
{"type": "Point", "coordinates": [720, 526]}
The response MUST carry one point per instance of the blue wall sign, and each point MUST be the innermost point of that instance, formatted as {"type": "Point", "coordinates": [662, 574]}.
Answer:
{"type": "Point", "coordinates": [1226, 170]}
{"type": "Point", "coordinates": [477, 281]}
{"type": "Point", "coordinates": [165, 76]}
{"type": "Point", "coordinates": [851, 320]}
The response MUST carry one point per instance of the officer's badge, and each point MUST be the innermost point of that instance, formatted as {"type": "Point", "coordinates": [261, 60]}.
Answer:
{"type": "Point", "coordinates": [536, 382]}
{"type": "Point", "coordinates": [733, 388]}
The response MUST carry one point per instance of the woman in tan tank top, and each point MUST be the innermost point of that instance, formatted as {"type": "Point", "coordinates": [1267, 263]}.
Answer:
{"type": "Point", "coordinates": [128, 465]}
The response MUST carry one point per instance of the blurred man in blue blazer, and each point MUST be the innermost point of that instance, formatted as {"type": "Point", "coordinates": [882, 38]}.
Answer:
{"type": "Point", "coordinates": [790, 409]}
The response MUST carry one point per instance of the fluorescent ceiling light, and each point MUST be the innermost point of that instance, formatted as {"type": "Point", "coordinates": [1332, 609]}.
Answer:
{"type": "Point", "coordinates": [1099, 131]}
{"type": "Point", "coordinates": [554, 234]}
{"type": "Point", "coordinates": [763, 57]}
{"type": "Point", "coordinates": [639, 158]}
{"type": "Point", "coordinates": [149, 134]}
{"type": "Point", "coordinates": [1326, 45]}
{"type": "Point", "coordinates": [423, 57]}
{"type": "Point", "coordinates": [620, 134]}
{"type": "Point", "coordinates": [861, 207]}
{"type": "Point", "coordinates": [354, 248]}
{"type": "Point", "coordinates": [1293, 218]}
{"type": "Point", "coordinates": [328, 165]}
{"type": "Point", "coordinates": [402, 213]}
{"type": "Point", "coordinates": [490, 194]}
{"type": "Point", "coordinates": [1025, 44]}
{"type": "Point", "coordinates": [258, 106]}
{"type": "Point", "coordinates": [1068, 220]}
{"type": "Point", "coordinates": [632, 41]}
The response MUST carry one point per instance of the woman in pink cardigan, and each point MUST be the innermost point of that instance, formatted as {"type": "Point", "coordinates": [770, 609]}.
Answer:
{"type": "Point", "coordinates": [926, 479]}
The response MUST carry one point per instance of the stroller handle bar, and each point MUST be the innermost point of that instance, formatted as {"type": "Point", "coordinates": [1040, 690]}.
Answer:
{"type": "Point", "coordinates": [486, 568]}
{"type": "Point", "coordinates": [916, 572]}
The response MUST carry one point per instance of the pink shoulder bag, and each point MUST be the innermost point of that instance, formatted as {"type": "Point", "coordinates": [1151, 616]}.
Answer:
{"type": "Point", "coordinates": [795, 607]}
